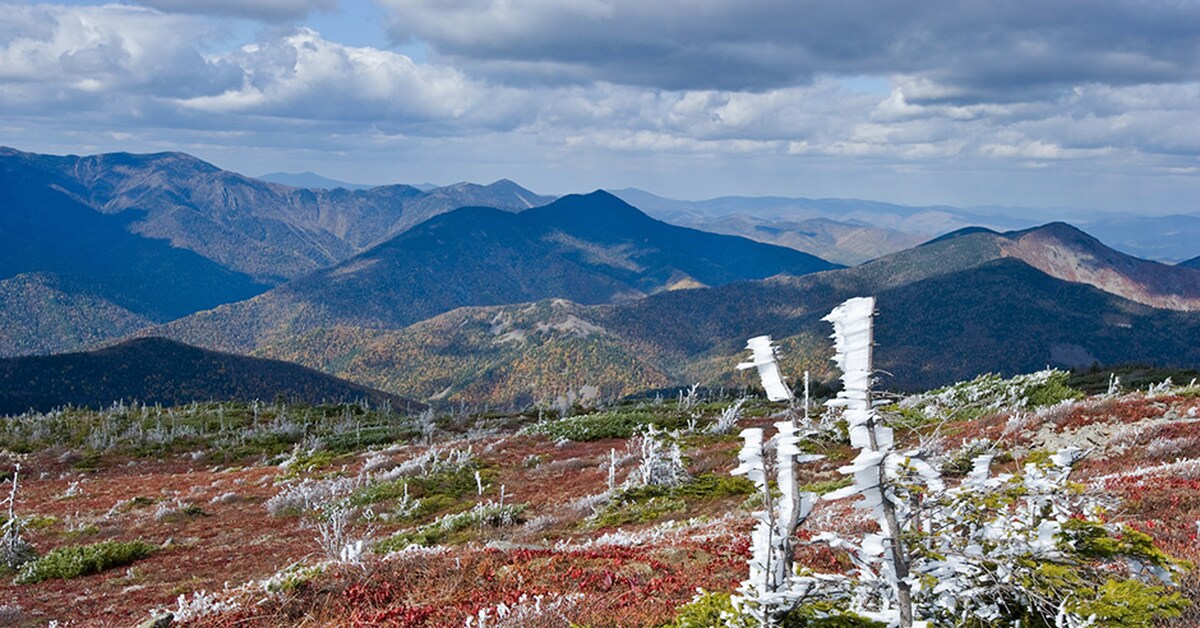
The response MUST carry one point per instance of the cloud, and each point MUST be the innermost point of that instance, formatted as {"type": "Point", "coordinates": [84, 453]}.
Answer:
{"type": "Point", "coordinates": [80, 55]}
{"type": "Point", "coordinates": [145, 67]}
{"type": "Point", "coordinates": [618, 93]}
{"type": "Point", "coordinates": [969, 51]}
{"type": "Point", "coordinates": [265, 10]}
{"type": "Point", "coordinates": [303, 76]}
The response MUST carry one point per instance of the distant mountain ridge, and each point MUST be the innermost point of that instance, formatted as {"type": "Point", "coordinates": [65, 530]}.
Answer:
{"type": "Point", "coordinates": [951, 309]}
{"type": "Point", "coordinates": [880, 228]}
{"type": "Point", "coordinates": [45, 228]}
{"type": "Point", "coordinates": [310, 180]}
{"type": "Point", "coordinates": [1065, 252]}
{"type": "Point", "coordinates": [470, 292]}
{"type": "Point", "coordinates": [1000, 316]}
{"type": "Point", "coordinates": [591, 249]}
{"type": "Point", "coordinates": [269, 231]}
{"type": "Point", "coordinates": [160, 371]}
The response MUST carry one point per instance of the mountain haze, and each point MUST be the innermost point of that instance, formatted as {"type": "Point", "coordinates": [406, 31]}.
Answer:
{"type": "Point", "coordinates": [310, 180]}
{"type": "Point", "coordinates": [879, 228]}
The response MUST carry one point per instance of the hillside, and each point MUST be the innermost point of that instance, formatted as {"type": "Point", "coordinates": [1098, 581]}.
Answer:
{"type": "Point", "coordinates": [38, 315]}
{"type": "Point", "coordinates": [538, 516]}
{"type": "Point", "coordinates": [1190, 263]}
{"type": "Point", "coordinates": [953, 308]}
{"type": "Point", "coordinates": [1057, 249]}
{"type": "Point", "coordinates": [160, 371]}
{"type": "Point", "coordinates": [957, 306]}
{"type": "Point", "coordinates": [45, 229]}
{"type": "Point", "coordinates": [266, 230]}
{"type": "Point", "coordinates": [1065, 252]}
{"type": "Point", "coordinates": [588, 249]}
{"type": "Point", "coordinates": [516, 354]}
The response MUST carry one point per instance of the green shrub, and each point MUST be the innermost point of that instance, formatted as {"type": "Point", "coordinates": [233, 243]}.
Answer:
{"type": "Point", "coordinates": [712, 486]}
{"type": "Point", "coordinates": [643, 504]}
{"type": "Point", "coordinates": [77, 560]}
{"type": "Point", "coordinates": [484, 515]}
{"type": "Point", "coordinates": [1054, 390]}
{"type": "Point", "coordinates": [619, 513]}
{"type": "Point", "coordinates": [705, 611]}
{"type": "Point", "coordinates": [826, 486]}
{"type": "Point", "coordinates": [1131, 603]}
{"type": "Point", "coordinates": [989, 393]}
{"type": "Point", "coordinates": [451, 485]}
{"type": "Point", "coordinates": [610, 424]}
{"type": "Point", "coordinates": [710, 609]}
{"type": "Point", "coordinates": [825, 615]}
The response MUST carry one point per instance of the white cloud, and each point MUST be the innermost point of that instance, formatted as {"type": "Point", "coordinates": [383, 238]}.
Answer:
{"type": "Point", "coordinates": [579, 101]}
{"type": "Point", "coordinates": [50, 52]}
{"type": "Point", "coordinates": [303, 76]}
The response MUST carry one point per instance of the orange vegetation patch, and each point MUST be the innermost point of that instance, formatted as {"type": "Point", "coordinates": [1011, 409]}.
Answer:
{"type": "Point", "coordinates": [229, 540]}
{"type": "Point", "coordinates": [604, 585]}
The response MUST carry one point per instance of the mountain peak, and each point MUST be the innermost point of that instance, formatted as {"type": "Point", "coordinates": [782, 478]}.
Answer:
{"type": "Point", "coordinates": [599, 202]}
{"type": "Point", "coordinates": [505, 183]}
{"type": "Point", "coordinates": [1066, 252]}
{"type": "Point", "coordinates": [958, 233]}
{"type": "Point", "coordinates": [1056, 229]}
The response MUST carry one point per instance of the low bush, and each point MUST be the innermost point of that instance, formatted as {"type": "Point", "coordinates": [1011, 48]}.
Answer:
{"type": "Point", "coordinates": [490, 515]}
{"type": "Point", "coordinates": [610, 424]}
{"type": "Point", "coordinates": [73, 561]}
{"type": "Point", "coordinates": [643, 504]}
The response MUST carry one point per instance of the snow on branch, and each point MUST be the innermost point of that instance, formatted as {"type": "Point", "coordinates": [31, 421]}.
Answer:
{"type": "Point", "coordinates": [763, 358]}
{"type": "Point", "coordinates": [852, 342]}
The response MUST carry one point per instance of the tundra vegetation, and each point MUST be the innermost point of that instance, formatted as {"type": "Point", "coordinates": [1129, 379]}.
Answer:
{"type": "Point", "coordinates": [998, 501]}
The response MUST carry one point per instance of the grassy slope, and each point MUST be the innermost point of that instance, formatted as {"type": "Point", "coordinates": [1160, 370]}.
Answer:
{"type": "Point", "coordinates": [635, 582]}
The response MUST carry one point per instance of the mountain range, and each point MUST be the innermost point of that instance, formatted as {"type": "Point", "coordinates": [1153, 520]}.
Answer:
{"type": "Point", "coordinates": [156, 237]}
{"type": "Point", "coordinates": [47, 228]}
{"type": "Point", "coordinates": [474, 293]}
{"type": "Point", "coordinates": [969, 302]}
{"type": "Point", "coordinates": [863, 230]}
{"type": "Point", "coordinates": [589, 249]}
{"type": "Point", "coordinates": [268, 231]}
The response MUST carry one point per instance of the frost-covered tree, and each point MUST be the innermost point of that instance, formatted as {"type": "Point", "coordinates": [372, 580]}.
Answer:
{"type": "Point", "coordinates": [15, 551]}
{"type": "Point", "coordinates": [853, 340]}
{"type": "Point", "coordinates": [1026, 548]}
{"type": "Point", "coordinates": [659, 464]}
{"type": "Point", "coordinates": [772, 587]}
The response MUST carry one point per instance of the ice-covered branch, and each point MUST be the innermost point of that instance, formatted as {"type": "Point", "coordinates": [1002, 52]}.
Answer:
{"type": "Point", "coordinates": [762, 357]}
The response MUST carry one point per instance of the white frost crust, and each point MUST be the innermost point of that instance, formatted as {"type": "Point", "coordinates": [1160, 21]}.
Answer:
{"type": "Point", "coordinates": [762, 357]}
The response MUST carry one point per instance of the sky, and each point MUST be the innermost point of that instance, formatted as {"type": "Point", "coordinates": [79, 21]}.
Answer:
{"type": "Point", "coordinates": [1074, 103]}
